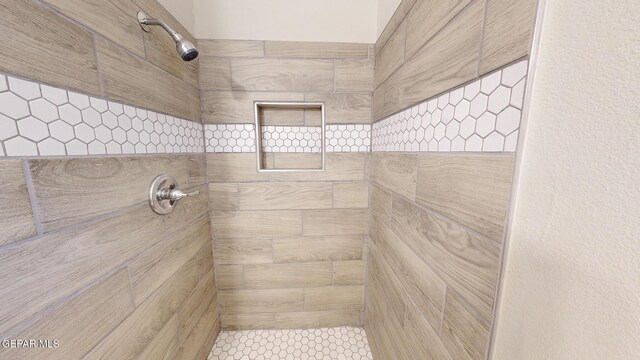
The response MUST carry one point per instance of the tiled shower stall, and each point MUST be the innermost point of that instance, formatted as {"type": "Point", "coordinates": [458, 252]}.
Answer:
{"type": "Point", "coordinates": [392, 251]}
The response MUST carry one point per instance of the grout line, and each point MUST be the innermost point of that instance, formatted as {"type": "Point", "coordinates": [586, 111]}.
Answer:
{"type": "Point", "coordinates": [231, 89]}
{"type": "Point", "coordinates": [404, 52]}
{"type": "Point", "coordinates": [230, 58]}
{"type": "Point", "coordinates": [51, 308]}
{"type": "Point", "coordinates": [60, 14]}
{"type": "Point", "coordinates": [98, 156]}
{"type": "Point", "coordinates": [444, 305]}
{"type": "Point", "coordinates": [415, 187]}
{"type": "Point", "coordinates": [366, 239]}
{"type": "Point", "coordinates": [131, 291]}
{"type": "Point", "coordinates": [445, 218]}
{"type": "Point", "coordinates": [90, 95]}
{"type": "Point", "coordinates": [333, 195]}
{"type": "Point", "coordinates": [457, 87]}
{"type": "Point", "coordinates": [334, 75]}
{"type": "Point", "coordinates": [333, 273]}
{"type": "Point", "coordinates": [108, 335]}
{"type": "Point", "coordinates": [73, 226]}
{"type": "Point", "coordinates": [145, 43]}
{"type": "Point", "coordinates": [484, 28]}
{"type": "Point", "coordinates": [297, 92]}
{"type": "Point", "coordinates": [74, 22]}
{"type": "Point", "coordinates": [32, 197]}
{"type": "Point", "coordinates": [98, 68]}
{"type": "Point", "coordinates": [206, 185]}
{"type": "Point", "coordinates": [82, 92]}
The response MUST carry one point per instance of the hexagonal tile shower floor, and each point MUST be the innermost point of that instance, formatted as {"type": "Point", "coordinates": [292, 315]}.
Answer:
{"type": "Point", "coordinates": [342, 343]}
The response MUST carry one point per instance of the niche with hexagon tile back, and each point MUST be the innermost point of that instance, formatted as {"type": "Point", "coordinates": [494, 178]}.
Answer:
{"type": "Point", "coordinates": [291, 136]}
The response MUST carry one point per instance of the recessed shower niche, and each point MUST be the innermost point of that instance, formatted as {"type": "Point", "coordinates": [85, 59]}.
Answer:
{"type": "Point", "coordinates": [290, 136]}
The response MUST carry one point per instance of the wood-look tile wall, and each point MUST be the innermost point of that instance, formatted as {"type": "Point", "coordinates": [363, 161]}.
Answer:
{"type": "Point", "coordinates": [85, 261]}
{"type": "Point", "coordinates": [234, 74]}
{"type": "Point", "coordinates": [98, 48]}
{"type": "Point", "coordinates": [436, 226]}
{"type": "Point", "coordinates": [437, 220]}
{"type": "Point", "coordinates": [288, 247]}
{"type": "Point", "coordinates": [429, 47]}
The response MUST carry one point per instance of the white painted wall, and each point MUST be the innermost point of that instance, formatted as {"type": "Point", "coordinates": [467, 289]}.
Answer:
{"type": "Point", "coordinates": [572, 278]}
{"type": "Point", "coordinates": [182, 10]}
{"type": "Point", "coordinates": [386, 8]}
{"type": "Point", "coordinates": [290, 20]}
{"type": "Point", "coordinates": [360, 21]}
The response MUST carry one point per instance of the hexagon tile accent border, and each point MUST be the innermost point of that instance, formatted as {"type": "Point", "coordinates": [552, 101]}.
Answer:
{"type": "Point", "coordinates": [239, 138]}
{"type": "Point", "coordinates": [41, 120]}
{"type": "Point", "coordinates": [229, 138]}
{"type": "Point", "coordinates": [342, 343]}
{"type": "Point", "coordinates": [483, 116]}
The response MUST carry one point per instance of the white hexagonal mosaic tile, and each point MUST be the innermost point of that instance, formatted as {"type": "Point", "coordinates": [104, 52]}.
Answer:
{"type": "Point", "coordinates": [41, 120]}
{"type": "Point", "coordinates": [483, 116]}
{"type": "Point", "coordinates": [348, 138]}
{"type": "Point", "coordinates": [240, 138]}
{"type": "Point", "coordinates": [292, 139]}
{"type": "Point", "coordinates": [230, 138]}
{"type": "Point", "coordinates": [342, 343]}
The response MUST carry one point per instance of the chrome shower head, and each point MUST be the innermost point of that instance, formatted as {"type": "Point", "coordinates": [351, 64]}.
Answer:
{"type": "Point", "coordinates": [185, 48]}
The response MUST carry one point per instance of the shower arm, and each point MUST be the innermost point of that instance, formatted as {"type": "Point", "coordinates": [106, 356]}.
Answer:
{"type": "Point", "coordinates": [145, 20]}
{"type": "Point", "coordinates": [184, 47]}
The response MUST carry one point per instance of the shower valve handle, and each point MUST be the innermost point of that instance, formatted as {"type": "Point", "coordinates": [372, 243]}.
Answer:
{"type": "Point", "coordinates": [164, 194]}
{"type": "Point", "coordinates": [174, 194]}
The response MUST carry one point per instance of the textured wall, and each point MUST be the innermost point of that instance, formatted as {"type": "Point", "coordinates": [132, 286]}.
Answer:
{"type": "Point", "coordinates": [571, 273]}
{"type": "Point", "coordinates": [83, 258]}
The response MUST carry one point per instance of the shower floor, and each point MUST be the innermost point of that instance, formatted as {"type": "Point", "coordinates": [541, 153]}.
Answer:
{"type": "Point", "coordinates": [341, 343]}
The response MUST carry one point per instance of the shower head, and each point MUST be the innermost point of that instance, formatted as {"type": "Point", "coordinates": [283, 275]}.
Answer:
{"type": "Point", "coordinates": [185, 48]}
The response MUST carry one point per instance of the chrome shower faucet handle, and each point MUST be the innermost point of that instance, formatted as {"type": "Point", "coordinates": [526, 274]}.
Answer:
{"type": "Point", "coordinates": [174, 194]}
{"type": "Point", "coordinates": [164, 194]}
